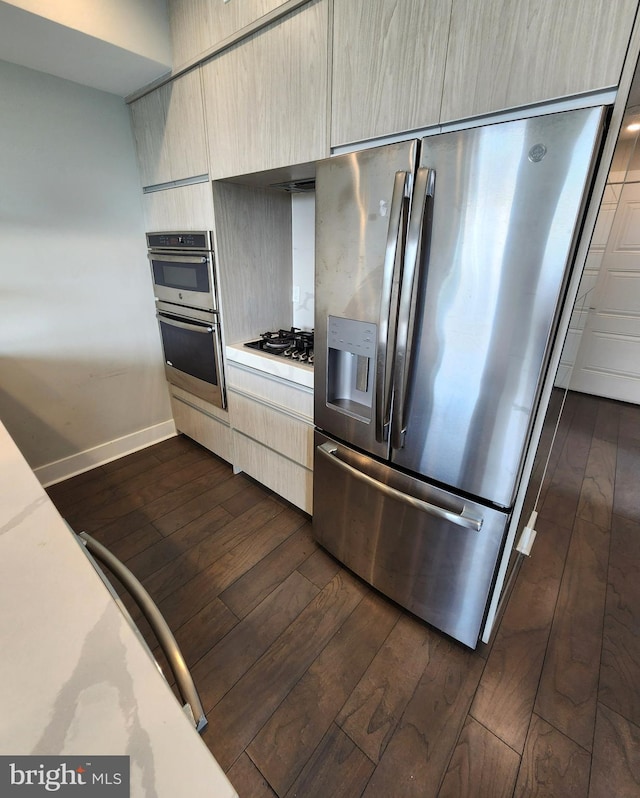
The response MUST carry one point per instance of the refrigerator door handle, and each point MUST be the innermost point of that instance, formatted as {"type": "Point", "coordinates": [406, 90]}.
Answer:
{"type": "Point", "coordinates": [424, 188]}
{"type": "Point", "coordinates": [330, 451]}
{"type": "Point", "coordinates": [383, 390]}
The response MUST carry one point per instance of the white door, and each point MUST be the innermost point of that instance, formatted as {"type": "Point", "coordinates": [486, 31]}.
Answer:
{"type": "Point", "coordinates": [584, 299]}
{"type": "Point", "coordinates": [608, 360]}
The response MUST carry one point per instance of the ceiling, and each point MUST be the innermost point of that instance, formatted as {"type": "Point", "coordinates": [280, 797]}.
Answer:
{"type": "Point", "coordinates": [39, 43]}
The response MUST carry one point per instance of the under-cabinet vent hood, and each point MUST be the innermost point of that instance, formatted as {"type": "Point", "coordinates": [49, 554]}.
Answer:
{"type": "Point", "coordinates": [296, 186]}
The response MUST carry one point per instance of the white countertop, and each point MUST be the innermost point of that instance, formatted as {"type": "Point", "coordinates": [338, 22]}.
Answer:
{"type": "Point", "coordinates": [271, 364]}
{"type": "Point", "coordinates": [74, 677]}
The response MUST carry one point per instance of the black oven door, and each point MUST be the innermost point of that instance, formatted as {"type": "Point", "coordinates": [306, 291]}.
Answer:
{"type": "Point", "coordinates": [183, 279]}
{"type": "Point", "coordinates": [193, 353]}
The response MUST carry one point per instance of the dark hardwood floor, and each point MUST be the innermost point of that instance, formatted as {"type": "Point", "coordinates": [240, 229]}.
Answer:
{"type": "Point", "coordinates": [317, 686]}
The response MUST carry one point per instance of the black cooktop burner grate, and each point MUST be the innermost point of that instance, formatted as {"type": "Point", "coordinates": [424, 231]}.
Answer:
{"type": "Point", "coordinates": [293, 343]}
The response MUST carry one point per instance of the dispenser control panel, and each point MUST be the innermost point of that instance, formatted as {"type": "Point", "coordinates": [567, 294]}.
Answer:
{"type": "Point", "coordinates": [351, 355]}
{"type": "Point", "coordinates": [348, 335]}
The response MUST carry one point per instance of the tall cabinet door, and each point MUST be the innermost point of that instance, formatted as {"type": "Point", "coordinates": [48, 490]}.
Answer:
{"type": "Point", "coordinates": [168, 126]}
{"type": "Point", "coordinates": [388, 66]}
{"type": "Point", "coordinates": [265, 97]}
{"type": "Point", "coordinates": [504, 54]}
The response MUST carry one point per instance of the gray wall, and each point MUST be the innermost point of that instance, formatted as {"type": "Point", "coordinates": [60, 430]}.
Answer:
{"type": "Point", "coordinates": [80, 356]}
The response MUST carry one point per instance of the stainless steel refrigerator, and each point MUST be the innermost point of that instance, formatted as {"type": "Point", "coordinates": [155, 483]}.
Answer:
{"type": "Point", "coordinates": [440, 271]}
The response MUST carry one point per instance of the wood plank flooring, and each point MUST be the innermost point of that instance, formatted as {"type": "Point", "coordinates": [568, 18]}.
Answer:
{"type": "Point", "coordinates": [316, 686]}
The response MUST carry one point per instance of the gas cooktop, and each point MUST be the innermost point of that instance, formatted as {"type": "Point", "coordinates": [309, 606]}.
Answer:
{"type": "Point", "coordinates": [295, 344]}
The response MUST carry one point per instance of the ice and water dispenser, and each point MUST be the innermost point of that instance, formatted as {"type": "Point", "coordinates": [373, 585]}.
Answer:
{"type": "Point", "coordinates": [351, 362]}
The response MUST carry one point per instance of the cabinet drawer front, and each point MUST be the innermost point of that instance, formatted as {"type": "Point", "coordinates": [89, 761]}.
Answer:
{"type": "Point", "coordinates": [200, 404]}
{"type": "Point", "coordinates": [273, 428]}
{"type": "Point", "coordinates": [293, 398]}
{"type": "Point", "coordinates": [211, 433]}
{"type": "Point", "coordinates": [288, 479]}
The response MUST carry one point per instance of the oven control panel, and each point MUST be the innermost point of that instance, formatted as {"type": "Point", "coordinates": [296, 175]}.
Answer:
{"type": "Point", "coordinates": [179, 241]}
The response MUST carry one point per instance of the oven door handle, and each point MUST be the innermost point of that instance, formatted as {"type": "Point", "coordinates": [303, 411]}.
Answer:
{"type": "Point", "coordinates": [193, 257]}
{"type": "Point", "coordinates": [184, 325]}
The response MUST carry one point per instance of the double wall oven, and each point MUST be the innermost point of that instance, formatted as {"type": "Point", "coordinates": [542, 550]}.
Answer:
{"type": "Point", "coordinates": [187, 311]}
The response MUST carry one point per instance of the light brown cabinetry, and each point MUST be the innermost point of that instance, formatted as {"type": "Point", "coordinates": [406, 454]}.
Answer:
{"type": "Point", "coordinates": [198, 25]}
{"type": "Point", "coordinates": [190, 26]}
{"type": "Point", "coordinates": [396, 66]}
{"type": "Point", "coordinates": [168, 126]}
{"type": "Point", "coordinates": [400, 65]}
{"type": "Point", "coordinates": [187, 207]}
{"type": "Point", "coordinates": [201, 421]}
{"type": "Point", "coordinates": [388, 66]}
{"type": "Point", "coordinates": [253, 253]}
{"type": "Point", "coordinates": [272, 432]}
{"type": "Point", "coordinates": [508, 53]}
{"type": "Point", "coordinates": [266, 97]}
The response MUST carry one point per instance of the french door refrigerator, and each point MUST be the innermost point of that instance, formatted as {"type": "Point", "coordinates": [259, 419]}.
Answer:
{"type": "Point", "coordinates": [440, 271]}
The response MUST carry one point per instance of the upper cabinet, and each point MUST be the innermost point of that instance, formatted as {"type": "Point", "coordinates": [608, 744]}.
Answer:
{"type": "Point", "coordinates": [198, 25]}
{"type": "Point", "coordinates": [187, 207]}
{"type": "Point", "coordinates": [190, 25]}
{"type": "Point", "coordinates": [168, 125]}
{"type": "Point", "coordinates": [266, 97]}
{"type": "Point", "coordinates": [388, 66]}
{"type": "Point", "coordinates": [379, 67]}
{"type": "Point", "coordinates": [504, 54]}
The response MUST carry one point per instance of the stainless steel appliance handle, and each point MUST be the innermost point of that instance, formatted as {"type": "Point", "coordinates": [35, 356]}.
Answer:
{"type": "Point", "coordinates": [383, 391]}
{"type": "Point", "coordinates": [194, 327]}
{"type": "Point", "coordinates": [424, 188]}
{"type": "Point", "coordinates": [330, 451]}
{"type": "Point", "coordinates": [217, 353]}
{"type": "Point", "coordinates": [192, 257]}
{"type": "Point", "coordinates": [158, 624]}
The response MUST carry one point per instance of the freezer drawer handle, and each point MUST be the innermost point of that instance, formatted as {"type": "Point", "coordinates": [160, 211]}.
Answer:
{"type": "Point", "coordinates": [330, 451]}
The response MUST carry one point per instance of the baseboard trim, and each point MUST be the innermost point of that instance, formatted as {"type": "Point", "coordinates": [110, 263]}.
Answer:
{"type": "Point", "coordinates": [54, 472]}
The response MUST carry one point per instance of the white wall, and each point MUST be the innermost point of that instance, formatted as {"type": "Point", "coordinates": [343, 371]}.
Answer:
{"type": "Point", "coordinates": [303, 214]}
{"type": "Point", "coordinates": [80, 356]}
{"type": "Point", "coordinates": [625, 168]}
{"type": "Point", "coordinates": [112, 45]}
{"type": "Point", "coordinates": [141, 26]}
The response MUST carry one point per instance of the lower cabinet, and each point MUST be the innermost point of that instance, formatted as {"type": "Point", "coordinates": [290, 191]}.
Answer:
{"type": "Point", "coordinates": [272, 432]}
{"type": "Point", "coordinates": [205, 423]}
{"type": "Point", "coordinates": [283, 476]}
{"type": "Point", "coordinates": [267, 431]}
